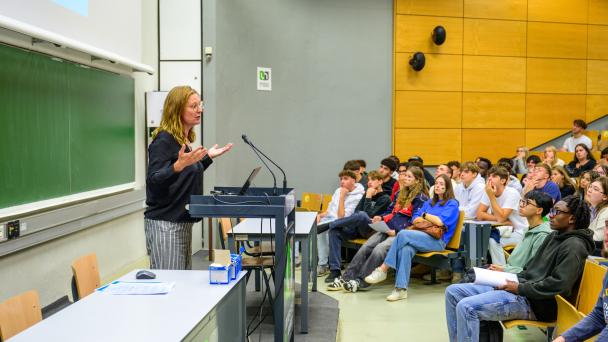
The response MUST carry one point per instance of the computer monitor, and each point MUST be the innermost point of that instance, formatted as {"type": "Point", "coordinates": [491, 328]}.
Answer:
{"type": "Point", "coordinates": [249, 180]}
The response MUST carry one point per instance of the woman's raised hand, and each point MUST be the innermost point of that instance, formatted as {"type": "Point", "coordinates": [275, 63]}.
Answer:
{"type": "Point", "coordinates": [186, 159]}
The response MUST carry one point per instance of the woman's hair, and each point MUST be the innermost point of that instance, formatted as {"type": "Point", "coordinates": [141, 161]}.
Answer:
{"type": "Point", "coordinates": [449, 191]}
{"type": "Point", "coordinates": [592, 176]}
{"type": "Point", "coordinates": [604, 183]}
{"type": "Point", "coordinates": [603, 167]}
{"type": "Point", "coordinates": [580, 210]}
{"type": "Point", "coordinates": [554, 150]}
{"type": "Point", "coordinates": [407, 194]}
{"type": "Point", "coordinates": [589, 154]}
{"type": "Point", "coordinates": [525, 149]}
{"type": "Point", "coordinates": [567, 179]}
{"type": "Point", "coordinates": [171, 122]}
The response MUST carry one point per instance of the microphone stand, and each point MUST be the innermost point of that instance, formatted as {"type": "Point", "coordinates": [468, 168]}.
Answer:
{"type": "Point", "coordinates": [274, 178]}
{"type": "Point", "coordinates": [275, 164]}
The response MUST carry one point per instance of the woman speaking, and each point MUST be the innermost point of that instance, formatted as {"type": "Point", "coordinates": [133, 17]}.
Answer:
{"type": "Point", "coordinates": [174, 173]}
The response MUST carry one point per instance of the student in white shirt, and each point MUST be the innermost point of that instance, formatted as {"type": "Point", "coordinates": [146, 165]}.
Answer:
{"type": "Point", "coordinates": [501, 203]}
{"type": "Point", "coordinates": [470, 190]}
{"type": "Point", "coordinates": [578, 136]}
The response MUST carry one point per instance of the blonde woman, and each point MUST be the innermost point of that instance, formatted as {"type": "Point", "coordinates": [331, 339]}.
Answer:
{"type": "Point", "coordinates": [175, 172]}
{"type": "Point", "coordinates": [550, 157]}
{"type": "Point", "coordinates": [519, 162]}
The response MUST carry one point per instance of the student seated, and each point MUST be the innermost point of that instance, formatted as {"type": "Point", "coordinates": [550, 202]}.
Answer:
{"type": "Point", "coordinates": [531, 163]}
{"type": "Point", "coordinates": [414, 160]}
{"type": "Point", "coordinates": [583, 161]}
{"type": "Point", "coordinates": [500, 204]}
{"type": "Point", "coordinates": [555, 269]}
{"type": "Point", "coordinates": [534, 206]}
{"type": "Point", "coordinates": [598, 200]}
{"type": "Point", "coordinates": [386, 169]}
{"type": "Point", "coordinates": [519, 162]}
{"type": "Point", "coordinates": [440, 212]}
{"type": "Point", "coordinates": [470, 190]}
{"type": "Point", "coordinates": [375, 202]}
{"type": "Point", "coordinates": [409, 199]}
{"type": "Point", "coordinates": [443, 169]}
{"type": "Point", "coordinates": [400, 170]}
{"type": "Point", "coordinates": [560, 177]}
{"type": "Point", "coordinates": [395, 175]}
{"type": "Point", "coordinates": [540, 181]}
{"type": "Point", "coordinates": [550, 157]}
{"type": "Point", "coordinates": [454, 165]}
{"type": "Point", "coordinates": [578, 137]}
{"type": "Point", "coordinates": [513, 181]}
{"type": "Point", "coordinates": [355, 167]}
{"type": "Point", "coordinates": [343, 204]}
{"type": "Point", "coordinates": [601, 169]}
{"type": "Point", "coordinates": [484, 164]}
{"type": "Point", "coordinates": [584, 181]}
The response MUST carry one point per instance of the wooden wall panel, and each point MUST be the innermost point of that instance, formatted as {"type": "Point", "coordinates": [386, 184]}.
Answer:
{"type": "Point", "coordinates": [442, 72]}
{"type": "Point", "coordinates": [598, 12]}
{"type": "Point", "coordinates": [493, 110]}
{"type": "Point", "coordinates": [447, 8]}
{"type": "Point", "coordinates": [557, 40]}
{"type": "Point", "coordinates": [494, 74]}
{"type": "Point", "coordinates": [434, 145]}
{"type": "Point", "coordinates": [494, 37]}
{"type": "Point", "coordinates": [562, 11]}
{"type": "Point", "coordinates": [597, 77]}
{"type": "Point", "coordinates": [561, 76]}
{"type": "Point", "coordinates": [598, 42]}
{"type": "Point", "coordinates": [597, 106]}
{"type": "Point", "coordinates": [496, 9]}
{"type": "Point", "coordinates": [554, 111]}
{"type": "Point", "coordinates": [491, 143]}
{"type": "Point", "coordinates": [536, 137]}
{"type": "Point", "coordinates": [428, 109]}
{"type": "Point", "coordinates": [413, 33]}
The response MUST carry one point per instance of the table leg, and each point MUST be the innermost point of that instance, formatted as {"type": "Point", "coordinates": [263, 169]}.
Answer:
{"type": "Point", "coordinates": [210, 242]}
{"type": "Point", "coordinates": [305, 243]}
{"type": "Point", "coordinates": [314, 256]}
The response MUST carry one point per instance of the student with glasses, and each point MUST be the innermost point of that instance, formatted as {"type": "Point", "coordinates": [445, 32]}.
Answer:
{"type": "Point", "coordinates": [555, 269]}
{"type": "Point", "coordinates": [597, 198]}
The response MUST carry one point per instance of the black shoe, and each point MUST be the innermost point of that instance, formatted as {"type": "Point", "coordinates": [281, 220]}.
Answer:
{"type": "Point", "coordinates": [323, 227]}
{"type": "Point", "coordinates": [332, 275]}
{"type": "Point", "coordinates": [363, 286]}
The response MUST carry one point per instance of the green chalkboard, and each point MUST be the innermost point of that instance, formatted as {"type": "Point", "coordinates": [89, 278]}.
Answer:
{"type": "Point", "coordinates": [65, 129]}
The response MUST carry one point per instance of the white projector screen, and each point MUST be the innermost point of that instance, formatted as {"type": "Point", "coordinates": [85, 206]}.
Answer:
{"type": "Point", "coordinates": [111, 25]}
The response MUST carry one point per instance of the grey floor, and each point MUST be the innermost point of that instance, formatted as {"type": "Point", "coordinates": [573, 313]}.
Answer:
{"type": "Point", "coordinates": [323, 311]}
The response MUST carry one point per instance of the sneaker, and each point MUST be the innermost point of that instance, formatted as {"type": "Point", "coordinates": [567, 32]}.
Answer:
{"type": "Point", "coordinates": [322, 270]}
{"type": "Point", "coordinates": [352, 285]}
{"type": "Point", "coordinates": [337, 285]}
{"type": "Point", "coordinates": [333, 275]}
{"type": "Point", "coordinates": [456, 278]}
{"type": "Point", "coordinates": [445, 275]}
{"type": "Point", "coordinates": [363, 286]}
{"type": "Point", "coordinates": [397, 294]}
{"type": "Point", "coordinates": [377, 276]}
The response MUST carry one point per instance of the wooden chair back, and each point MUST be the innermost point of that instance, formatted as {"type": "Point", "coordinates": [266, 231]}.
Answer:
{"type": "Point", "coordinates": [325, 203]}
{"type": "Point", "coordinates": [567, 315]}
{"type": "Point", "coordinates": [590, 287]}
{"type": "Point", "coordinates": [86, 275]}
{"type": "Point", "coordinates": [454, 243]}
{"type": "Point", "coordinates": [19, 313]}
{"type": "Point", "coordinates": [311, 201]}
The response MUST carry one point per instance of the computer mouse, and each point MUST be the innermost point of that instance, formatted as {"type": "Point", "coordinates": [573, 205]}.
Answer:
{"type": "Point", "coordinates": [145, 274]}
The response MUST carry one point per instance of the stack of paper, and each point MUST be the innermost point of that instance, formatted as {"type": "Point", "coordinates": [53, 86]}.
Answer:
{"type": "Point", "coordinates": [137, 288]}
{"type": "Point", "coordinates": [493, 278]}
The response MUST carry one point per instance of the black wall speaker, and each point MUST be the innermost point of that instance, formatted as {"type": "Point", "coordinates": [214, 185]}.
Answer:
{"type": "Point", "coordinates": [417, 61]}
{"type": "Point", "coordinates": [439, 35]}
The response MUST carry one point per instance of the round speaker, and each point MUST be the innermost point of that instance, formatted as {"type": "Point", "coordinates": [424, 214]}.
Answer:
{"type": "Point", "coordinates": [439, 35]}
{"type": "Point", "coordinates": [417, 61]}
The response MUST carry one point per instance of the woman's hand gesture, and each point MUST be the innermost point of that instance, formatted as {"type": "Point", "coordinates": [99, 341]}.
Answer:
{"type": "Point", "coordinates": [186, 159]}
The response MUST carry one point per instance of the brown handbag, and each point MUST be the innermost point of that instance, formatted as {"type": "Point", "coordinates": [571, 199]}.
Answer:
{"type": "Point", "coordinates": [434, 231]}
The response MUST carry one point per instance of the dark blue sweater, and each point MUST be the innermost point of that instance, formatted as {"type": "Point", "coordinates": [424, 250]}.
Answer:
{"type": "Point", "coordinates": [167, 191]}
{"type": "Point", "coordinates": [594, 323]}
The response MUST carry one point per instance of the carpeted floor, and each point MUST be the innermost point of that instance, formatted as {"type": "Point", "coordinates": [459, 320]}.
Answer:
{"type": "Point", "coordinates": [322, 316]}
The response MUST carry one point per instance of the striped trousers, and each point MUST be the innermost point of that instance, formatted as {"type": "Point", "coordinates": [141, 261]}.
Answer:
{"type": "Point", "coordinates": [169, 244]}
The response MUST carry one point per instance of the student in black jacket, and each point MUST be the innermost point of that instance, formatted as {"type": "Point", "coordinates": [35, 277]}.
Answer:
{"type": "Point", "coordinates": [555, 269]}
{"type": "Point", "coordinates": [174, 173]}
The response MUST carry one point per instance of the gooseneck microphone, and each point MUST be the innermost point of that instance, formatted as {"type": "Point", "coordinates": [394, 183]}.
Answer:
{"type": "Point", "coordinates": [275, 164]}
{"type": "Point", "coordinates": [274, 178]}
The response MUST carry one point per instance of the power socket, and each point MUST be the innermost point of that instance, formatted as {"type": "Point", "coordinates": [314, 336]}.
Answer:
{"type": "Point", "coordinates": [12, 229]}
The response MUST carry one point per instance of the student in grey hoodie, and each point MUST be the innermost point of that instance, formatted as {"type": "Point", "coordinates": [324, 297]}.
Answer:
{"type": "Point", "coordinates": [555, 269]}
{"type": "Point", "coordinates": [470, 190]}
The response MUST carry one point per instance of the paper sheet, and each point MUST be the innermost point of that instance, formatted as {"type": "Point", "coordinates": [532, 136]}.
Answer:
{"type": "Point", "coordinates": [137, 288]}
{"type": "Point", "coordinates": [493, 278]}
{"type": "Point", "coordinates": [379, 227]}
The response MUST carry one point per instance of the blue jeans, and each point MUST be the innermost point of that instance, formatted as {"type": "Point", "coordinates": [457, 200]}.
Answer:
{"type": "Point", "coordinates": [402, 251]}
{"type": "Point", "coordinates": [467, 304]}
{"type": "Point", "coordinates": [345, 228]}
{"type": "Point", "coordinates": [325, 247]}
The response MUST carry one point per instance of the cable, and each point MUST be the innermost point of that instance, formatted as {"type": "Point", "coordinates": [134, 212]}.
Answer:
{"type": "Point", "coordinates": [233, 203]}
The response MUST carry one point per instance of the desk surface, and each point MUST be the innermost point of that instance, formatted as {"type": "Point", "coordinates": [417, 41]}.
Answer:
{"type": "Point", "coordinates": [104, 317]}
{"type": "Point", "coordinates": [304, 223]}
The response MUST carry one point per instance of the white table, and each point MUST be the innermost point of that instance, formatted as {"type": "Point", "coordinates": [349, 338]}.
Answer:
{"type": "Point", "coordinates": [193, 310]}
{"type": "Point", "coordinates": [306, 232]}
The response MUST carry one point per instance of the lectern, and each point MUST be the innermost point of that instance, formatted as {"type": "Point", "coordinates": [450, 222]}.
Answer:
{"type": "Point", "coordinates": [261, 203]}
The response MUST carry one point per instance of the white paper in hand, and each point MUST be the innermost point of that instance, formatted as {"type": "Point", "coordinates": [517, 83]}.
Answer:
{"type": "Point", "coordinates": [379, 226]}
{"type": "Point", "coordinates": [493, 278]}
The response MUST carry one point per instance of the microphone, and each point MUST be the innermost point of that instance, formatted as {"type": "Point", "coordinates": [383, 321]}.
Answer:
{"type": "Point", "coordinates": [275, 164]}
{"type": "Point", "coordinates": [274, 178]}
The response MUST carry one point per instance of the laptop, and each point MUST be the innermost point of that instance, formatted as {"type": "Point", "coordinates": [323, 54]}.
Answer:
{"type": "Point", "coordinates": [245, 186]}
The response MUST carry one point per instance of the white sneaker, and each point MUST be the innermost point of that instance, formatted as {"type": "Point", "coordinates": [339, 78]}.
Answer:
{"type": "Point", "coordinates": [376, 277]}
{"type": "Point", "coordinates": [397, 294]}
{"type": "Point", "coordinates": [338, 284]}
{"type": "Point", "coordinates": [351, 285]}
